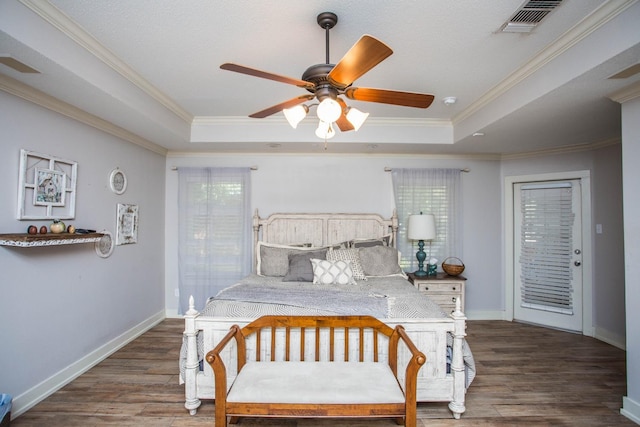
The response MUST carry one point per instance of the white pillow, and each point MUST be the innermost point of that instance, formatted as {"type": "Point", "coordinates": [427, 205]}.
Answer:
{"type": "Point", "coordinates": [348, 255]}
{"type": "Point", "coordinates": [332, 272]}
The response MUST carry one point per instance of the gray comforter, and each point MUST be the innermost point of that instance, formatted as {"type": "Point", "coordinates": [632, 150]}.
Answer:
{"type": "Point", "coordinates": [382, 297]}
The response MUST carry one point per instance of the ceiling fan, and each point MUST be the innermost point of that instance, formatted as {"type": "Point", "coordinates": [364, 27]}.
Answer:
{"type": "Point", "coordinates": [327, 82]}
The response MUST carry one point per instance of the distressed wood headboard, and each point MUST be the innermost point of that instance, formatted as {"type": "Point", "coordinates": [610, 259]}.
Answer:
{"type": "Point", "coordinates": [321, 229]}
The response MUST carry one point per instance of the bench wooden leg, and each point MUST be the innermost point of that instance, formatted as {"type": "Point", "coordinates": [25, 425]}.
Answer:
{"type": "Point", "coordinates": [400, 421]}
{"type": "Point", "coordinates": [234, 420]}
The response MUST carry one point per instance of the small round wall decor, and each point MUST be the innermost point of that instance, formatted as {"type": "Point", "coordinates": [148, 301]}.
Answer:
{"type": "Point", "coordinates": [104, 246]}
{"type": "Point", "coordinates": [118, 181]}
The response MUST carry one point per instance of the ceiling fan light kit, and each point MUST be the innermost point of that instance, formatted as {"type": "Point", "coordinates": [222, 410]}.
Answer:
{"type": "Point", "coordinates": [327, 82]}
{"type": "Point", "coordinates": [329, 110]}
{"type": "Point", "coordinates": [325, 130]}
{"type": "Point", "coordinates": [356, 117]}
{"type": "Point", "coordinates": [295, 114]}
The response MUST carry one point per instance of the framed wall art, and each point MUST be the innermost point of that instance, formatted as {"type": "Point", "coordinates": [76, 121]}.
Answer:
{"type": "Point", "coordinates": [46, 187]}
{"type": "Point", "coordinates": [118, 181]}
{"type": "Point", "coordinates": [104, 246]}
{"type": "Point", "coordinates": [127, 224]}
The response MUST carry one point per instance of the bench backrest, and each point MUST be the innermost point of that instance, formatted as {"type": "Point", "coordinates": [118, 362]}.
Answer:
{"type": "Point", "coordinates": [328, 336]}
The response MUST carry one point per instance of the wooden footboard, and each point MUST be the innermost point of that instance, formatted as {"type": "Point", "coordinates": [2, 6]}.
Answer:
{"type": "Point", "coordinates": [434, 383]}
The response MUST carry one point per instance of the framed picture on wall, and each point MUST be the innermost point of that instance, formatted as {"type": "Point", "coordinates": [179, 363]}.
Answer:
{"type": "Point", "coordinates": [46, 186]}
{"type": "Point", "coordinates": [118, 181]}
{"type": "Point", "coordinates": [50, 188]}
{"type": "Point", "coordinates": [127, 224]}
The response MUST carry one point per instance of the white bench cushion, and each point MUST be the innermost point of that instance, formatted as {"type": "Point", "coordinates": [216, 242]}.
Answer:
{"type": "Point", "coordinates": [316, 382]}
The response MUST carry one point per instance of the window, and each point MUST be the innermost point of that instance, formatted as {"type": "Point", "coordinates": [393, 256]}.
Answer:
{"type": "Point", "coordinates": [430, 191]}
{"type": "Point", "coordinates": [215, 238]}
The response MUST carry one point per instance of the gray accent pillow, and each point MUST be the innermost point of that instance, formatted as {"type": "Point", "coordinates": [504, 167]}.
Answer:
{"type": "Point", "coordinates": [380, 261]}
{"type": "Point", "coordinates": [300, 268]}
{"type": "Point", "coordinates": [273, 259]}
{"type": "Point", "coordinates": [386, 240]}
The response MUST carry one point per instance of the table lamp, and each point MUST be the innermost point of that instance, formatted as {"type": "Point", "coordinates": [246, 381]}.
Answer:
{"type": "Point", "coordinates": [421, 227]}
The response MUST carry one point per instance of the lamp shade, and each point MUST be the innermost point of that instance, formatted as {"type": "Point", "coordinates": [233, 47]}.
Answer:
{"type": "Point", "coordinates": [422, 227]}
{"type": "Point", "coordinates": [356, 117]}
{"type": "Point", "coordinates": [325, 130]}
{"type": "Point", "coordinates": [296, 114]}
{"type": "Point", "coordinates": [329, 110]}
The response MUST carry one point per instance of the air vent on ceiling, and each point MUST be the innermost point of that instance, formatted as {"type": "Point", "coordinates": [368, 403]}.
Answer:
{"type": "Point", "coordinates": [530, 15]}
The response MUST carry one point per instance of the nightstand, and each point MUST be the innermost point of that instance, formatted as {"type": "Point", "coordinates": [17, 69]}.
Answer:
{"type": "Point", "coordinates": [441, 288]}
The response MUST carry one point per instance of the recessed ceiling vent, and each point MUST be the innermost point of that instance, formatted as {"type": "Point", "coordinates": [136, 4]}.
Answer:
{"type": "Point", "coordinates": [530, 15]}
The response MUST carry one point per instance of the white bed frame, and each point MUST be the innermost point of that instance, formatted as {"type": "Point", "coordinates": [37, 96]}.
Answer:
{"type": "Point", "coordinates": [428, 334]}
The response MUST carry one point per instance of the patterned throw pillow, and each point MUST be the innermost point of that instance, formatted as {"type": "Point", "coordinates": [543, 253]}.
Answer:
{"type": "Point", "coordinates": [332, 272]}
{"type": "Point", "coordinates": [381, 261]}
{"type": "Point", "coordinates": [348, 255]}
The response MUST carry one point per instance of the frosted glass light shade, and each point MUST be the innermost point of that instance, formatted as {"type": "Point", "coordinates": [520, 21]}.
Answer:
{"type": "Point", "coordinates": [295, 114]}
{"type": "Point", "coordinates": [325, 130]}
{"type": "Point", "coordinates": [421, 227]}
{"type": "Point", "coordinates": [329, 110]}
{"type": "Point", "coordinates": [356, 117]}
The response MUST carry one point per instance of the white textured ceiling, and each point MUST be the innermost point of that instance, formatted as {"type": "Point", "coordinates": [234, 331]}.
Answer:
{"type": "Point", "coordinates": [152, 67]}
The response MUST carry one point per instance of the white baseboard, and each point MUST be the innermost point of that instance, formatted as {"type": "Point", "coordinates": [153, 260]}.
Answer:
{"type": "Point", "coordinates": [34, 395]}
{"type": "Point", "coordinates": [630, 409]}
{"type": "Point", "coordinates": [610, 338]}
{"type": "Point", "coordinates": [484, 315]}
{"type": "Point", "coordinates": [172, 313]}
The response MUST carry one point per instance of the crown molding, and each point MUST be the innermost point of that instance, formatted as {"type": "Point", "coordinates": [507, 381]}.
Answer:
{"type": "Point", "coordinates": [35, 96]}
{"type": "Point", "coordinates": [626, 94]}
{"type": "Point", "coordinates": [396, 156]}
{"type": "Point", "coordinates": [591, 23]}
{"type": "Point", "coordinates": [280, 120]}
{"type": "Point", "coordinates": [562, 150]}
{"type": "Point", "coordinates": [67, 26]}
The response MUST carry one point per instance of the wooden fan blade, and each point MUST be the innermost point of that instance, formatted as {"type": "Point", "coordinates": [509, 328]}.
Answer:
{"type": "Point", "coordinates": [343, 124]}
{"type": "Point", "coordinates": [266, 75]}
{"type": "Point", "coordinates": [279, 107]}
{"type": "Point", "coordinates": [363, 56]}
{"type": "Point", "coordinates": [384, 96]}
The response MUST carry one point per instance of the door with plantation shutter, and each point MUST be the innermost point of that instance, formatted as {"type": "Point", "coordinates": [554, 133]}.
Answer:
{"type": "Point", "coordinates": [548, 254]}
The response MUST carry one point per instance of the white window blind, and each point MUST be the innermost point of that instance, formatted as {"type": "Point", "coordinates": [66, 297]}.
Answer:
{"type": "Point", "coordinates": [215, 237]}
{"type": "Point", "coordinates": [431, 191]}
{"type": "Point", "coordinates": [546, 245]}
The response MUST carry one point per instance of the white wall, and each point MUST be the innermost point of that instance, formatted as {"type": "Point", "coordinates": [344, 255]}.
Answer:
{"type": "Point", "coordinates": [60, 304]}
{"type": "Point", "coordinates": [631, 179]}
{"type": "Point", "coordinates": [608, 253]}
{"type": "Point", "coordinates": [607, 265]}
{"type": "Point", "coordinates": [331, 183]}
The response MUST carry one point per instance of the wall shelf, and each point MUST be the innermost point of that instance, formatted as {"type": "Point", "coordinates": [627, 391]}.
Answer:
{"type": "Point", "coordinates": [24, 240]}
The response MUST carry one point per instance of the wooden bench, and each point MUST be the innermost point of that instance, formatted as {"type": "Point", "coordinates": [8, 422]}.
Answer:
{"type": "Point", "coordinates": [328, 367]}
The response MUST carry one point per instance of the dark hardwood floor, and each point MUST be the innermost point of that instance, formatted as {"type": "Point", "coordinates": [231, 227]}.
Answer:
{"type": "Point", "coordinates": [527, 376]}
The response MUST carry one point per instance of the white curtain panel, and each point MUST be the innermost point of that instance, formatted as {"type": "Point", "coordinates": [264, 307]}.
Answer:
{"type": "Point", "coordinates": [430, 191]}
{"type": "Point", "coordinates": [215, 235]}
